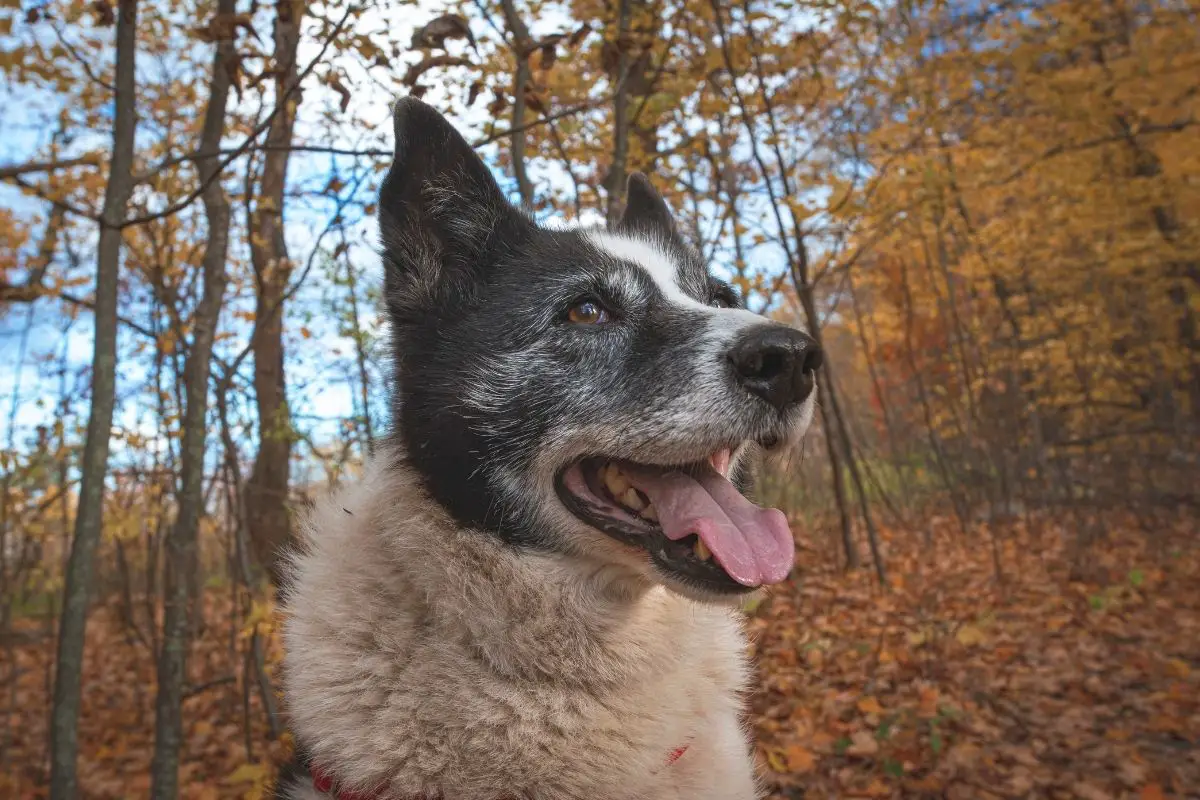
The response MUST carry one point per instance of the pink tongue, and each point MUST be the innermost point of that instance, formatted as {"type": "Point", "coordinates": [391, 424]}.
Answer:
{"type": "Point", "coordinates": [754, 545]}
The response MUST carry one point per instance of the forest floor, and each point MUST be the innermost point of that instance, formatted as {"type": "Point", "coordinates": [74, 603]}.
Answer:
{"type": "Point", "coordinates": [956, 684]}
{"type": "Point", "coordinates": [950, 684]}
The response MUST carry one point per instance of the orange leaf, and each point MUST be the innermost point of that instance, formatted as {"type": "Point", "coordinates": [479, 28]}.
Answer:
{"type": "Point", "coordinates": [799, 759]}
{"type": "Point", "coordinates": [1151, 791]}
{"type": "Point", "coordinates": [869, 705]}
{"type": "Point", "coordinates": [1178, 668]}
{"type": "Point", "coordinates": [878, 789]}
{"type": "Point", "coordinates": [929, 703]}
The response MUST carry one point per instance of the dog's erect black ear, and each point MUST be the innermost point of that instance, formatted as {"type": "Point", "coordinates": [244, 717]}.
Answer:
{"type": "Point", "coordinates": [645, 209]}
{"type": "Point", "coordinates": [441, 213]}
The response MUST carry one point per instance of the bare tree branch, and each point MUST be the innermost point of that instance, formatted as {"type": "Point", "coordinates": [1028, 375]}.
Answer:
{"type": "Point", "coordinates": [16, 170]}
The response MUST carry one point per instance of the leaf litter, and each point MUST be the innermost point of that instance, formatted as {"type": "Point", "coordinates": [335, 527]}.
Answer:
{"type": "Point", "coordinates": [950, 684]}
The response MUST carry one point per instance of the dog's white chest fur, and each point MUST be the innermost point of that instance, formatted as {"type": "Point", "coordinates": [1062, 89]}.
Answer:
{"type": "Point", "coordinates": [421, 657]}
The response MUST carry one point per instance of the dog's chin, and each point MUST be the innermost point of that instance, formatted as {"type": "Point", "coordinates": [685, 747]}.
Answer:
{"type": "Point", "coordinates": [600, 492]}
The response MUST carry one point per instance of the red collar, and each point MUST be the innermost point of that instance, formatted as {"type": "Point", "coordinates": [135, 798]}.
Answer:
{"type": "Point", "coordinates": [323, 781]}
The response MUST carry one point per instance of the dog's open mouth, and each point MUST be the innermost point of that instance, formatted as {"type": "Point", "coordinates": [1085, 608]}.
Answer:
{"type": "Point", "coordinates": [691, 520]}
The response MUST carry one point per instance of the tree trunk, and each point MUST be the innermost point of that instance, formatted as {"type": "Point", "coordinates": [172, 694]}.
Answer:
{"type": "Point", "coordinates": [825, 388]}
{"type": "Point", "coordinates": [839, 486]}
{"type": "Point", "coordinates": [798, 266]}
{"type": "Point", "coordinates": [267, 487]}
{"type": "Point", "coordinates": [617, 172]}
{"type": "Point", "coordinates": [949, 482]}
{"type": "Point", "coordinates": [64, 744]}
{"type": "Point", "coordinates": [522, 46]}
{"type": "Point", "coordinates": [877, 389]}
{"type": "Point", "coordinates": [360, 355]}
{"type": "Point", "coordinates": [181, 542]}
{"type": "Point", "coordinates": [855, 476]}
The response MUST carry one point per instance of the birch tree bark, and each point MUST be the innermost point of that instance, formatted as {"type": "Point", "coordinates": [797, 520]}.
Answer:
{"type": "Point", "coordinates": [68, 677]}
{"type": "Point", "coordinates": [181, 542]}
{"type": "Point", "coordinates": [266, 490]}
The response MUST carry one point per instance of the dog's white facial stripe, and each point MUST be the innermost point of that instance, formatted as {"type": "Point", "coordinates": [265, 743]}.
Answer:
{"type": "Point", "coordinates": [652, 260]}
{"type": "Point", "coordinates": [663, 270]}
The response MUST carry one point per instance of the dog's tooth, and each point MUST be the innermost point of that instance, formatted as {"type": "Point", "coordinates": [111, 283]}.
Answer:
{"type": "Point", "coordinates": [616, 482]}
{"type": "Point", "coordinates": [632, 499]}
{"type": "Point", "coordinates": [702, 551]}
{"type": "Point", "coordinates": [650, 513]}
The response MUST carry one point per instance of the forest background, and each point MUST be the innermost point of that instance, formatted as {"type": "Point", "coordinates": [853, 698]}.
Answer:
{"type": "Point", "coordinates": [989, 212]}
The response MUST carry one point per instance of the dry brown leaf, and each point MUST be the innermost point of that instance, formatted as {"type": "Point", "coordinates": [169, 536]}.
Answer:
{"type": "Point", "coordinates": [438, 31]}
{"type": "Point", "coordinates": [870, 705]}
{"type": "Point", "coordinates": [970, 635]}
{"type": "Point", "coordinates": [862, 744]}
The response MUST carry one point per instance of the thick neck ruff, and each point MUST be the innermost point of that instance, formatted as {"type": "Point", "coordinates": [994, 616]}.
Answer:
{"type": "Point", "coordinates": [427, 661]}
{"type": "Point", "coordinates": [324, 781]}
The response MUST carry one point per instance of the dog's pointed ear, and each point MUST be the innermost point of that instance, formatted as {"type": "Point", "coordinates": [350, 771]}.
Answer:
{"type": "Point", "coordinates": [645, 209]}
{"type": "Point", "coordinates": [441, 212]}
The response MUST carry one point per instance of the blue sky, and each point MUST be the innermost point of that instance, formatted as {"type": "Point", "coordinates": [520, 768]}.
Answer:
{"type": "Point", "coordinates": [33, 338]}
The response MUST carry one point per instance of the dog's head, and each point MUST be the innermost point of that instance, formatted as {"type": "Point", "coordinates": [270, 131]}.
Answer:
{"type": "Point", "coordinates": [593, 392]}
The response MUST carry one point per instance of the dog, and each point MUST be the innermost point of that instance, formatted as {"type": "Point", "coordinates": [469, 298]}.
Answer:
{"type": "Point", "coordinates": [533, 591]}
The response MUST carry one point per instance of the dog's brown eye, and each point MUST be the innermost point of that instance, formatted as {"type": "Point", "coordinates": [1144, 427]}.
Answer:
{"type": "Point", "coordinates": [587, 312]}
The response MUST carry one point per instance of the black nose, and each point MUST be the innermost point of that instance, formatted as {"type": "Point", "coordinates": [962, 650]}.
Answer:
{"type": "Point", "coordinates": [777, 363]}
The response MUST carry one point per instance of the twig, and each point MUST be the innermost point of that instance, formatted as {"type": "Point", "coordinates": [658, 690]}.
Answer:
{"type": "Point", "coordinates": [247, 148]}
{"type": "Point", "coordinates": [17, 170]}
{"type": "Point", "coordinates": [251, 138]}
{"type": "Point", "coordinates": [87, 70]}
{"type": "Point", "coordinates": [203, 687]}
{"type": "Point", "coordinates": [566, 112]}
